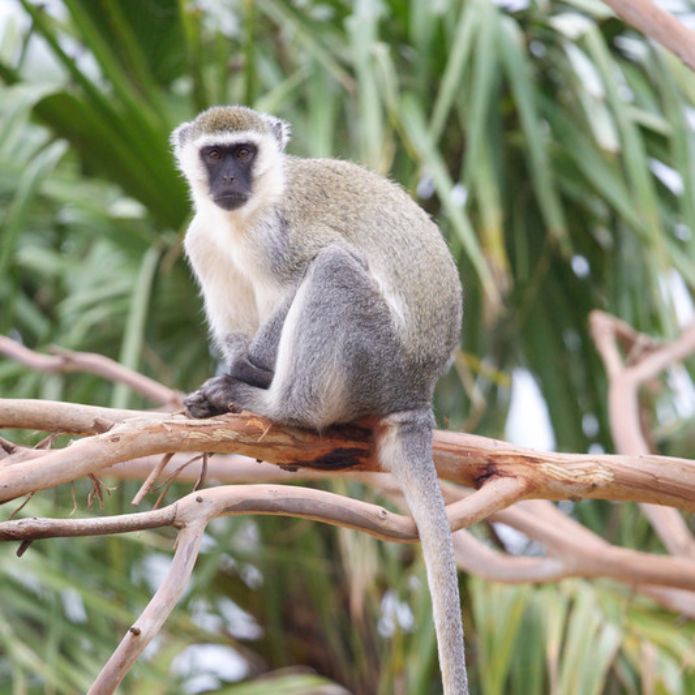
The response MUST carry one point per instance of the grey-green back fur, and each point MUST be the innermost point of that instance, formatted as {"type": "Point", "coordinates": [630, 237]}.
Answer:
{"type": "Point", "coordinates": [328, 199]}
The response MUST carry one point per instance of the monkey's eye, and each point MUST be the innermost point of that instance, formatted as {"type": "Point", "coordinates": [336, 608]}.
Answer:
{"type": "Point", "coordinates": [242, 153]}
{"type": "Point", "coordinates": [214, 154]}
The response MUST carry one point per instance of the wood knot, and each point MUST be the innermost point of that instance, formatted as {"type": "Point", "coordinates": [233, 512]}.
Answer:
{"type": "Point", "coordinates": [490, 471]}
{"type": "Point", "coordinates": [101, 425]}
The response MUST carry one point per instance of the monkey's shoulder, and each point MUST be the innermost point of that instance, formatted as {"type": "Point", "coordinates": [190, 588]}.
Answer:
{"type": "Point", "coordinates": [341, 181]}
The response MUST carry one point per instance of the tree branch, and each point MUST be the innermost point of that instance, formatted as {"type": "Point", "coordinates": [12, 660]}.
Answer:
{"type": "Point", "coordinates": [301, 502]}
{"type": "Point", "coordinates": [140, 634]}
{"type": "Point", "coordinates": [463, 458]}
{"type": "Point", "coordinates": [624, 382]}
{"type": "Point", "coordinates": [91, 363]}
{"type": "Point", "coordinates": [658, 25]}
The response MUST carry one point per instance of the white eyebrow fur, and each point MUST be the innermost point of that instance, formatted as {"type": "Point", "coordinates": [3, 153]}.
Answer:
{"type": "Point", "coordinates": [223, 138]}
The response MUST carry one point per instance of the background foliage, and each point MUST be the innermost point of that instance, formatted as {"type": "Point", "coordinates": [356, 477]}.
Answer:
{"type": "Point", "coordinates": [557, 150]}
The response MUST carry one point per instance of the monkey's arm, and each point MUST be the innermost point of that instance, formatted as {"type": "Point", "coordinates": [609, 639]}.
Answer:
{"type": "Point", "coordinates": [252, 363]}
{"type": "Point", "coordinates": [230, 303]}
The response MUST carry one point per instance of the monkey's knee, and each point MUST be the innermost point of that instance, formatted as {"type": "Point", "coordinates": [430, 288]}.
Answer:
{"type": "Point", "coordinates": [245, 369]}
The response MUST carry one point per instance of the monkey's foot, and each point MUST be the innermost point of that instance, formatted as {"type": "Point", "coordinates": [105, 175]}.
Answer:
{"type": "Point", "coordinates": [214, 397]}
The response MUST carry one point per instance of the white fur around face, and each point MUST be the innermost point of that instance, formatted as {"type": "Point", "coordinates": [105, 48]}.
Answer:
{"type": "Point", "coordinates": [268, 174]}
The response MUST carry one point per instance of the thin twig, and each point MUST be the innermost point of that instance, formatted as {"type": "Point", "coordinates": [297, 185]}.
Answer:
{"type": "Point", "coordinates": [21, 506]}
{"type": "Point", "coordinates": [152, 478]}
{"type": "Point", "coordinates": [23, 547]}
{"type": "Point", "coordinates": [203, 473]}
{"type": "Point", "coordinates": [172, 479]}
{"type": "Point", "coordinates": [48, 441]}
{"type": "Point", "coordinates": [7, 446]}
{"type": "Point", "coordinates": [95, 492]}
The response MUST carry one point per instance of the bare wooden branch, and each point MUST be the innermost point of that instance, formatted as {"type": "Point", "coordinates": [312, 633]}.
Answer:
{"type": "Point", "coordinates": [584, 554]}
{"type": "Point", "coordinates": [496, 493]}
{"type": "Point", "coordinates": [658, 25]}
{"type": "Point", "coordinates": [294, 501]}
{"type": "Point", "coordinates": [624, 382]}
{"type": "Point", "coordinates": [71, 418]}
{"type": "Point", "coordinates": [192, 514]}
{"type": "Point", "coordinates": [91, 363]}
{"type": "Point", "coordinates": [155, 614]}
{"type": "Point", "coordinates": [575, 550]}
{"type": "Point", "coordinates": [481, 560]}
{"type": "Point", "coordinates": [472, 555]}
{"type": "Point", "coordinates": [463, 458]}
{"type": "Point", "coordinates": [501, 473]}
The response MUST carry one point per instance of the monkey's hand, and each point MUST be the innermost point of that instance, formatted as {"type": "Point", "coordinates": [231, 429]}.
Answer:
{"type": "Point", "coordinates": [214, 397]}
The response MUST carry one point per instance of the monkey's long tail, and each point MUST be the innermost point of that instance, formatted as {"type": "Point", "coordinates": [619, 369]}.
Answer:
{"type": "Point", "coordinates": [405, 448]}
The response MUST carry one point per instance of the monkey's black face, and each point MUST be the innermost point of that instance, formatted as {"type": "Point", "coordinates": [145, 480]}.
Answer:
{"type": "Point", "coordinates": [230, 169]}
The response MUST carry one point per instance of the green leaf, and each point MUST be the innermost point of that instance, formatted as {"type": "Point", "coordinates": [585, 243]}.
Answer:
{"type": "Point", "coordinates": [449, 89]}
{"type": "Point", "coordinates": [39, 168]}
{"type": "Point", "coordinates": [414, 127]}
{"type": "Point", "coordinates": [516, 64]}
{"type": "Point", "coordinates": [134, 337]}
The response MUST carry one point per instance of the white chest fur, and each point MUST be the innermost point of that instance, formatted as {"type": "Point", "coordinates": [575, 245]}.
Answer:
{"type": "Point", "coordinates": [237, 286]}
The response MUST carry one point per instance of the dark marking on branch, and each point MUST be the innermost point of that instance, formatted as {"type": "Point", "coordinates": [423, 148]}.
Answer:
{"type": "Point", "coordinates": [102, 425]}
{"type": "Point", "coordinates": [7, 446]}
{"type": "Point", "coordinates": [489, 471]}
{"type": "Point", "coordinates": [343, 457]}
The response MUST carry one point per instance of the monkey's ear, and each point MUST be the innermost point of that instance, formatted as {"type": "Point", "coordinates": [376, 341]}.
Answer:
{"type": "Point", "coordinates": [178, 137]}
{"type": "Point", "coordinates": [280, 129]}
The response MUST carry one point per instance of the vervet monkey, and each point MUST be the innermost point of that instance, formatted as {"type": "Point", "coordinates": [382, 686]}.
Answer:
{"type": "Point", "coordinates": [332, 296]}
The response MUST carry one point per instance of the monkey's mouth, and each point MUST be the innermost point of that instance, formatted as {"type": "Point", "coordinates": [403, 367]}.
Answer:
{"type": "Point", "coordinates": [230, 201]}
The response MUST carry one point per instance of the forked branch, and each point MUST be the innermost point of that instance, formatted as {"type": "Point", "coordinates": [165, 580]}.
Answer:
{"type": "Point", "coordinates": [120, 442]}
